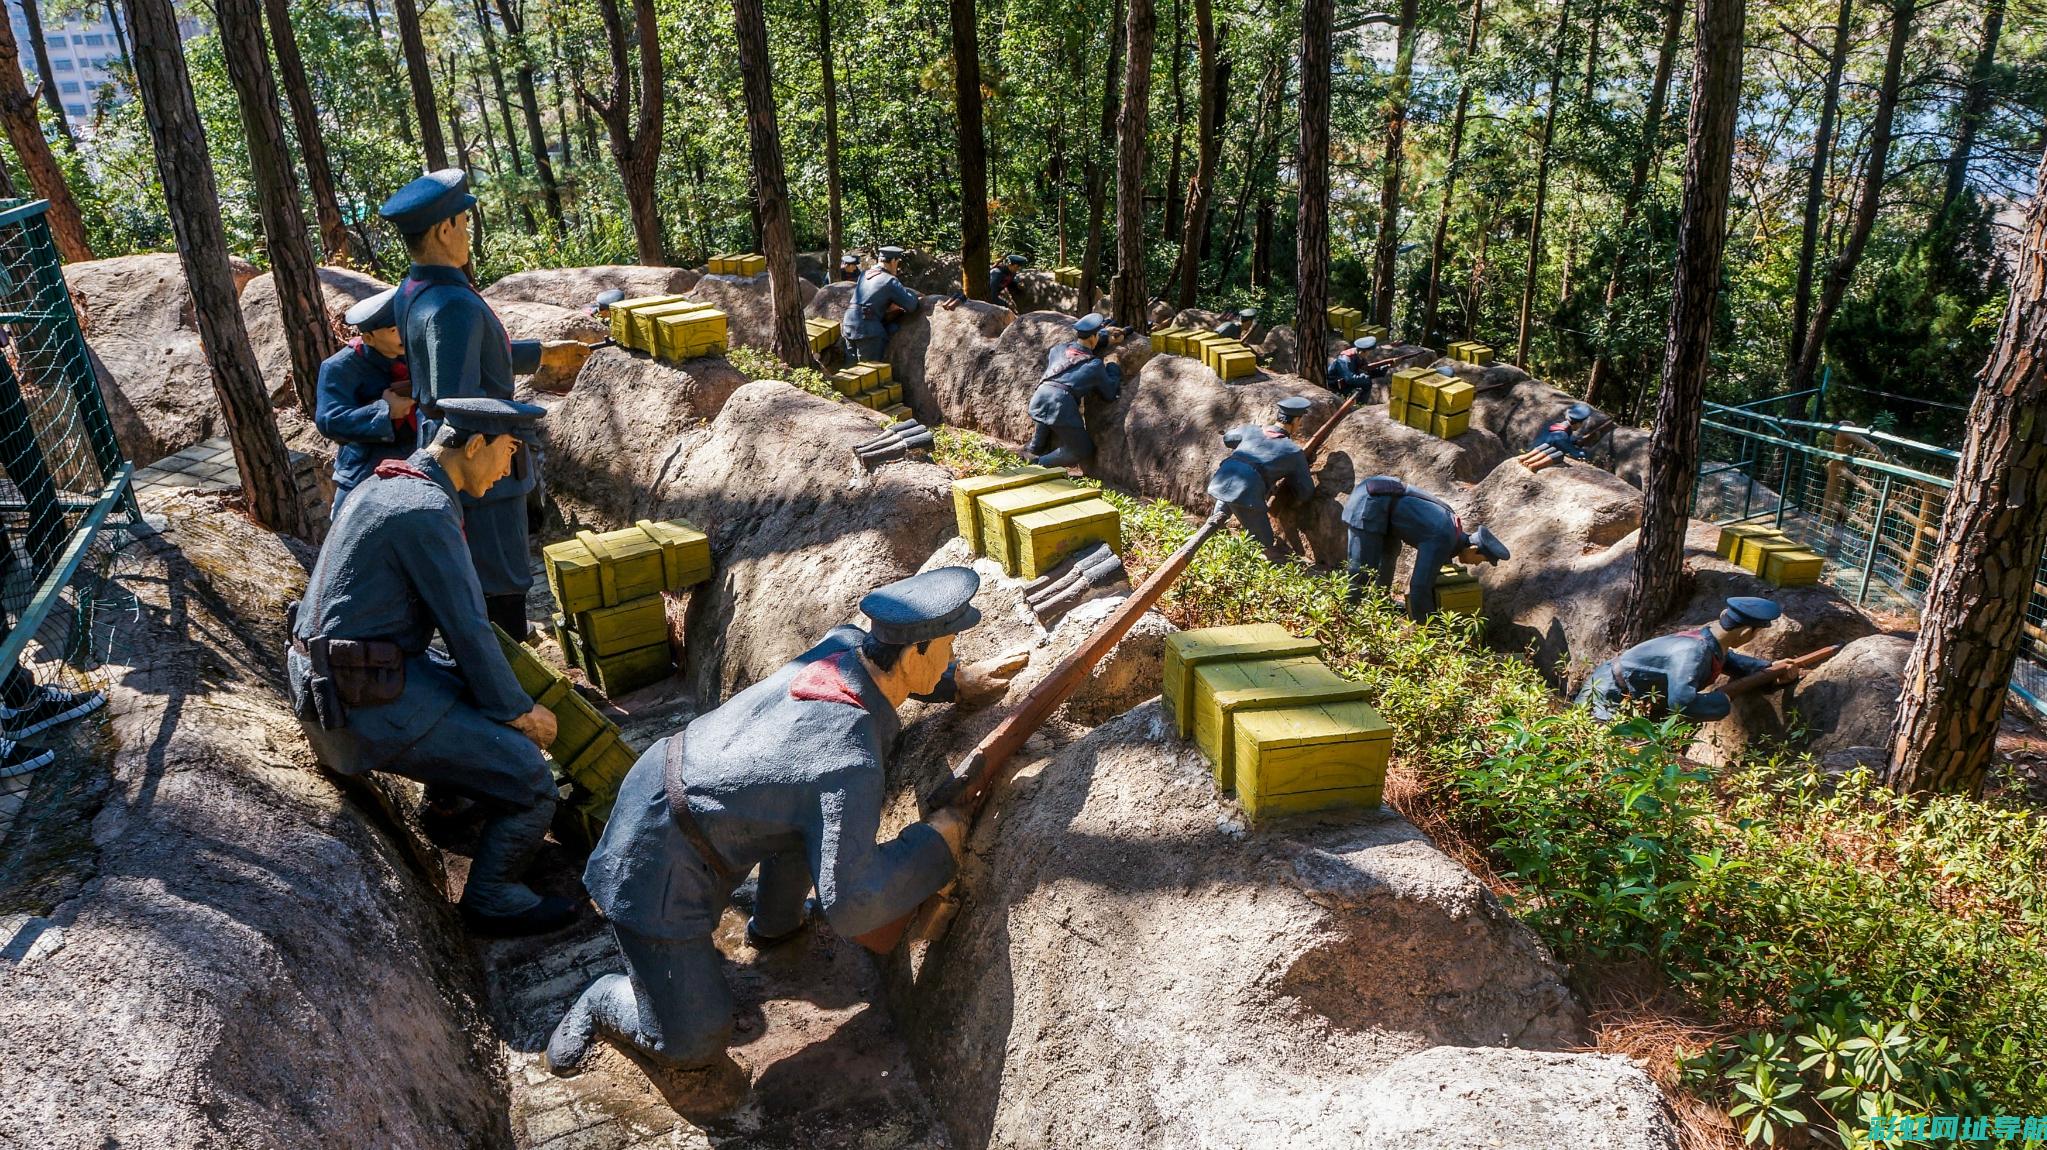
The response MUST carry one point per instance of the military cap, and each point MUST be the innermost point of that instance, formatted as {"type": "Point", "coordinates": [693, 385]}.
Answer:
{"type": "Point", "coordinates": [1447, 370]}
{"type": "Point", "coordinates": [1017, 259]}
{"type": "Point", "coordinates": [1247, 313]}
{"type": "Point", "coordinates": [1488, 545]}
{"type": "Point", "coordinates": [923, 607]}
{"type": "Point", "coordinates": [891, 253]}
{"type": "Point", "coordinates": [606, 298]}
{"type": "Point", "coordinates": [1750, 611]}
{"type": "Point", "coordinates": [428, 200]}
{"type": "Point", "coordinates": [1090, 323]}
{"type": "Point", "coordinates": [1365, 342]}
{"type": "Point", "coordinates": [490, 416]}
{"type": "Point", "coordinates": [848, 258]}
{"type": "Point", "coordinates": [1293, 407]}
{"type": "Point", "coordinates": [1578, 413]}
{"type": "Point", "coordinates": [373, 313]}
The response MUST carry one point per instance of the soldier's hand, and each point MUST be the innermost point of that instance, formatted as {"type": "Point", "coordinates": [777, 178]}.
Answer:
{"type": "Point", "coordinates": [564, 356]}
{"type": "Point", "coordinates": [985, 682]}
{"type": "Point", "coordinates": [401, 405]}
{"type": "Point", "coordinates": [537, 724]}
{"type": "Point", "coordinates": [951, 826]}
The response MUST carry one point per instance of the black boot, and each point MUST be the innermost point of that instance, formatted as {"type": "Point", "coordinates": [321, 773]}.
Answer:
{"type": "Point", "coordinates": [494, 902]}
{"type": "Point", "coordinates": [509, 613]}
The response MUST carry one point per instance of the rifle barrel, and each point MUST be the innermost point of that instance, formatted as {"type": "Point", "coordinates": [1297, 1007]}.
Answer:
{"type": "Point", "coordinates": [1774, 674]}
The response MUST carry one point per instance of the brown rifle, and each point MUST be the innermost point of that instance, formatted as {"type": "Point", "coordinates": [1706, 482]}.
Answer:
{"type": "Point", "coordinates": [1777, 672]}
{"type": "Point", "coordinates": [967, 788]}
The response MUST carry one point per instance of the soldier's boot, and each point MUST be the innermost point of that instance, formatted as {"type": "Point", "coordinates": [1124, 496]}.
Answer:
{"type": "Point", "coordinates": [494, 902]}
{"type": "Point", "coordinates": [760, 941]}
{"type": "Point", "coordinates": [568, 1048]}
{"type": "Point", "coordinates": [509, 613]}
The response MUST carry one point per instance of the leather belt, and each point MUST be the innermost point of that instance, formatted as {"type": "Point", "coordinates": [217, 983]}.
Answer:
{"type": "Point", "coordinates": [685, 819]}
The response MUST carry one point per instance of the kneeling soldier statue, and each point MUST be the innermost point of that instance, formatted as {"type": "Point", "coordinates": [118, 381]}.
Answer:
{"type": "Point", "coordinates": [1264, 457]}
{"type": "Point", "coordinates": [788, 775]}
{"type": "Point", "coordinates": [370, 696]}
{"type": "Point", "coordinates": [1384, 513]}
{"type": "Point", "coordinates": [1668, 675]}
{"type": "Point", "coordinates": [1563, 434]}
{"type": "Point", "coordinates": [1074, 370]}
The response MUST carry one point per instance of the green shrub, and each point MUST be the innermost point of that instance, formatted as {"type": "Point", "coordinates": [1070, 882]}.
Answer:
{"type": "Point", "coordinates": [756, 364]}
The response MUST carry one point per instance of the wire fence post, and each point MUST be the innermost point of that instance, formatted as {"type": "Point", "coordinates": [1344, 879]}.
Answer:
{"type": "Point", "coordinates": [1876, 527]}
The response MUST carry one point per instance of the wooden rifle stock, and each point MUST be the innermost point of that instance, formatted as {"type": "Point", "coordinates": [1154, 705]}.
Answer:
{"type": "Point", "coordinates": [1774, 674]}
{"type": "Point", "coordinates": [967, 788]}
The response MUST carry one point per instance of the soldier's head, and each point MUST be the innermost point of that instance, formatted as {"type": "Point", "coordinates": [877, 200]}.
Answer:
{"type": "Point", "coordinates": [1482, 546]}
{"type": "Point", "coordinates": [1017, 262]}
{"type": "Point", "coordinates": [376, 321]}
{"type": "Point", "coordinates": [849, 266]}
{"type": "Point", "coordinates": [911, 624]}
{"type": "Point", "coordinates": [1743, 617]}
{"type": "Point", "coordinates": [1088, 328]}
{"type": "Point", "coordinates": [601, 306]}
{"type": "Point", "coordinates": [1363, 344]}
{"type": "Point", "coordinates": [891, 258]}
{"type": "Point", "coordinates": [478, 439]}
{"type": "Point", "coordinates": [1577, 413]}
{"type": "Point", "coordinates": [432, 213]}
{"type": "Point", "coordinates": [1290, 409]}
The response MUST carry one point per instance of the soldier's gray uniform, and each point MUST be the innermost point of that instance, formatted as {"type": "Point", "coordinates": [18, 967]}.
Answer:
{"type": "Point", "coordinates": [1263, 457]}
{"type": "Point", "coordinates": [1384, 513]}
{"type": "Point", "coordinates": [866, 327]}
{"type": "Point", "coordinates": [1667, 675]}
{"type": "Point", "coordinates": [1072, 373]}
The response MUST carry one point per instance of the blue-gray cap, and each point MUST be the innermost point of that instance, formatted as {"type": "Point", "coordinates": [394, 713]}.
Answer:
{"type": "Point", "coordinates": [891, 253]}
{"type": "Point", "coordinates": [428, 200]}
{"type": "Point", "coordinates": [1089, 324]}
{"type": "Point", "coordinates": [1293, 407]}
{"type": "Point", "coordinates": [1750, 611]}
{"type": "Point", "coordinates": [490, 416]}
{"type": "Point", "coordinates": [1488, 545]}
{"type": "Point", "coordinates": [923, 607]}
{"type": "Point", "coordinates": [373, 313]}
{"type": "Point", "coordinates": [1365, 342]}
{"type": "Point", "coordinates": [1446, 370]}
{"type": "Point", "coordinates": [608, 297]}
{"type": "Point", "coordinates": [1578, 413]}
{"type": "Point", "coordinates": [848, 258]}
{"type": "Point", "coordinates": [1247, 313]}
{"type": "Point", "coordinates": [1017, 259]}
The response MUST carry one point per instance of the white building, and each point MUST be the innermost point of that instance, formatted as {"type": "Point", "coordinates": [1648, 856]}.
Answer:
{"type": "Point", "coordinates": [83, 54]}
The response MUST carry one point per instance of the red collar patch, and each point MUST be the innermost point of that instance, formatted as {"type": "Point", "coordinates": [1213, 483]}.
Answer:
{"type": "Point", "coordinates": [1275, 433]}
{"type": "Point", "coordinates": [824, 682]}
{"type": "Point", "coordinates": [394, 467]}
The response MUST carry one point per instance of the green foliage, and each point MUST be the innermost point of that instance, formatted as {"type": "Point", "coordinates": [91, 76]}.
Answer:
{"type": "Point", "coordinates": [756, 364]}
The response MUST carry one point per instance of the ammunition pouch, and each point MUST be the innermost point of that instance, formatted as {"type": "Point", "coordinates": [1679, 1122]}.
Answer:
{"type": "Point", "coordinates": [350, 673]}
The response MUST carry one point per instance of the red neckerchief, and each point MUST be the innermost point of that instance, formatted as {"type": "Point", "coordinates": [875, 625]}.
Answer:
{"type": "Point", "coordinates": [1719, 658]}
{"type": "Point", "coordinates": [1560, 426]}
{"type": "Point", "coordinates": [394, 467]}
{"type": "Point", "coordinates": [398, 372]}
{"type": "Point", "coordinates": [824, 682]}
{"type": "Point", "coordinates": [1275, 433]}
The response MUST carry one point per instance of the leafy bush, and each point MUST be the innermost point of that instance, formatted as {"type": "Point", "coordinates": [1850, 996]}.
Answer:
{"type": "Point", "coordinates": [756, 364]}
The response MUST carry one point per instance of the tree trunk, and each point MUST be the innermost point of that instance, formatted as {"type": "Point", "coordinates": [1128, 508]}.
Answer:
{"type": "Point", "coordinates": [1127, 294]}
{"type": "Point", "coordinates": [835, 220]}
{"type": "Point", "coordinates": [305, 121]}
{"type": "Point", "coordinates": [1098, 168]}
{"type": "Point", "coordinates": [390, 71]}
{"type": "Point", "coordinates": [497, 84]}
{"type": "Point", "coordinates": [1311, 230]}
{"type": "Point", "coordinates": [1179, 68]}
{"type": "Point", "coordinates": [1386, 249]}
{"type": "Point", "coordinates": [193, 203]}
{"type": "Point", "coordinates": [1868, 198]}
{"type": "Point", "coordinates": [1974, 616]}
{"type": "Point", "coordinates": [1263, 143]}
{"type": "Point", "coordinates": [771, 185]}
{"type": "Point", "coordinates": [120, 35]}
{"type": "Point", "coordinates": [1549, 135]}
{"type": "Point", "coordinates": [1975, 102]}
{"type": "Point", "coordinates": [529, 103]}
{"type": "Point", "coordinates": [636, 140]}
{"type": "Point", "coordinates": [1261, 242]}
{"type": "Point", "coordinates": [490, 139]}
{"type": "Point", "coordinates": [1442, 236]}
{"type": "Point", "coordinates": [1702, 236]}
{"type": "Point", "coordinates": [973, 146]}
{"type": "Point", "coordinates": [1207, 149]}
{"type": "Point", "coordinates": [1816, 186]}
{"type": "Point", "coordinates": [1638, 181]}
{"type": "Point", "coordinates": [555, 87]}
{"type": "Point", "coordinates": [307, 335]}
{"type": "Point", "coordinates": [32, 148]}
{"type": "Point", "coordinates": [32, 16]}
{"type": "Point", "coordinates": [422, 81]}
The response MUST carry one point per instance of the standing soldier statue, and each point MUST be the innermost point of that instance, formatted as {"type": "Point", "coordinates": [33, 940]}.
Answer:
{"type": "Point", "coordinates": [1670, 674]}
{"type": "Point", "coordinates": [880, 301]}
{"type": "Point", "coordinates": [364, 400]}
{"type": "Point", "coordinates": [1074, 370]}
{"type": "Point", "coordinates": [393, 572]}
{"type": "Point", "coordinates": [1263, 457]}
{"type": "Point", "coordinates": [456, 347]}
{"type": "Point", "coordinates": [1383, 513]}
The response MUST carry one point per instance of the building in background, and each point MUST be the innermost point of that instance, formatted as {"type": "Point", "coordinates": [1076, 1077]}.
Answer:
{"type": "Point", "coordinates": [85, 54]}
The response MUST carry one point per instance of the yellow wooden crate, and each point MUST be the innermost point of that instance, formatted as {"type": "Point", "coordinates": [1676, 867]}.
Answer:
{"type": "Point", "coordinates": [1420, 418]}
{"type": "Point", "coordinates": [1795, 568]}
{"type": "Point", "coordinates": [879, 370]}
{"type": "Point", "coordinates": [1453, 396]}
{"type": "Point", "coordinates": [886, 396]}
{"type": "Point", "coordinates": [1472, 352]}
{"type": "Point", "coordinates": [998, 541]}
{"type": "Point", "coordinates": [1187, 650]}
{"type": "Point", "coordinates": [1749, 549]}
{"type": "Point", "coordinates": [1458, 590]}
{"type": "Point", "coordinates": [640, 330]}
{"type": "Point", "coordinates": [1402, 383]}
{"type": "Point", "coordinates": [1043, 538]}
{"type": "Point", "coordinates": [1314, 757]}
{"type": "Point", "coordinates": [622, 314]}
{"type": "Point", "coordinates": [1236, 362]}
{"type": "Point", "coordinates": [1421, 393]}
{"type": "Point", "coordinates": [686, 335]}
{"type": "Point", "coordinates": [1373, 330]}
{"type": "Point", "coordinates": [636, 623]}
{"type": "Point", "coordinates": [630, 670]}
{"type": "Point", "coordinates": [897, 413]}
{"type": "Point", "coordinates": [534, 676]}
{"type": "Point", "coordinates": [1397, 411]}
{"type": "Point", "coordinates": [1345, 320]}
{"type": "Point", "coordinates": [1223, 689]}
{"type": "Point", "coordinates": [603, 570]}
{"type": "Point", "coordinates": [599, 769]}
{"type": "Point", "coordinates": [966, 495]}
{"type": "Point", "coordinates": [587, 749]}
{"type": "Point", "coordinates": [1729, 545]}
{"type": "Point", "coordinates": [1450, 426]}
{"type": "Point", "coordinates": [1197, 344]}
{"type": "Point", "coordinates": [1168, 340]}
{"type": "Point", "coordinates": [848, 382]}
{"type": "Point", "coordinates": [738, 265]}
{"type": "Point", "coordinates": [823, 334]}
{"type": "Point", "coordinates": [1066, 277]}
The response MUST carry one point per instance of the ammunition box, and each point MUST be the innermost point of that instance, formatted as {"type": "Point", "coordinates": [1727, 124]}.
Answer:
{"type": "Point", "coordinates": [689, 334]}
{"type": "Point", "coordinates": [622, 314]}
{"type": "Point", "coordinates": [577, 724]}
{"type": "Point", "coordinates": [1188, 650]}
{"type": "Point", "coordinates": [1236, 362]}
{"type": "Point", "coordinates": [1401, 385]}
{"type": "Point", "coordinates": [997, 541]}
{"type": "Point", "coordinates": [1729, 546]}
{"type": "Point", "coordinates": [966, 495]}
{"type": "Point", "coordinates": [600, 768]}
{"type": "Point", "coordinates": [1043, 538]}
{"type": "Point", "coordinates": [1373, 330]}
{"type": "Point", "coordinates": [1397, 411]}
{"type": "Point", "coordinates": [849, 383]}
{"type": "Point", "coordinates": [1421, 418]}
{"type": "Point", "coordinates": [1223, 689]}
{"type": "Point", "coordinates": [750, 265]}
{"type": "Point", "coordinates": [1458, 590]}
{"type": "Point", "coordinates": [629, 626]}
{"type": "Point", "coordinates": [1169, 340]}
{"type": "Point", "coordinates": [1421, 393]}
{"type": "Point", "coordinates": [1456, 349]}
{"type": "Point", "coordinates": [1793, 568]}
{"type": "Point", "coordinates": [592, 570]}
{"type": "Point", "coordinates": [898, 413]}
{"type": "Point", "coordinates": [587, 749]}
{"type": "Point", "coordinates": [1749, 547]}
{"type": "Point", "coordinates": [1450, 426]}
{"type": "Point", "coordinates": [629, 670]}
{"type": "Point", "coordinates": [880, 371]}
{"type": "Point", "coordinates": [534, 676]}
{"type": "Point", "coordinates": [1756, 553]}
{"type": "Point", "coordinates": [823, 334]}
{"type": "Point", "coordinates": [1198, 344]}
{"type": "Point", "coordinates": [640, 332]}
{"type": "Point", "coordinates": [887, 396]}
{"type": "Point", "coordinates": [1066, 277]}
{"type": "Point", "coordinates": [1345, 320]}
{"type": "Point", "coordinates": [1475, 353]}
{"type": "Point", "coordinates": [1313, 757]}
{"type": "Point", "coordinates": [1453, 396]}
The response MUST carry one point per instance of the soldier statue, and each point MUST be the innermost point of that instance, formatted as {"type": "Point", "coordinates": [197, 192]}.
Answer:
{"type": "Point", "coordinates": [788, 775]}
{"type": "Point", "coordinates": [364, 399]}
{"type": "Point", "coordinates": [849, 269]}
{"type": "Point", "coordinates": [1348, 371]}
{"type": "Point", "coordinates": [1263, 457]}
{"type": "Point", "coordinates": [1242, 328]}
{"type": "Point", "coordinates": [370, 695]}
{"type": "Point", "coordinates": [1563, 434]}
{"type": "Point", "coordinates": [1668, 675]}
{"type": "Point", "coordinates": [1074, 370]}
{"type": "Point", "coordinates": [1383, 513]}
{"type": "Point", "coordinates": [1002, 279]}
{"type": "Point", "coordinates": [879, 303]}
{"type": "Point", "coordinates": [456, 347]}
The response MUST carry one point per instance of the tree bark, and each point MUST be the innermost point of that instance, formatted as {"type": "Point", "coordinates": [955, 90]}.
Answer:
{"type": "Point", "coordinates": [1207, 149]}
{"type": "Point", "coordinates": [835, 218]}
{"type": "Point", "coordinates": [193, 203]}
{"type": "Point", "coordinates": [422, 81]}
{"type": "Point", "coordinates": [1549, 135]}
{"type": "Point", "coordinates": [120, 34]}
{"type": "Point", "coordinates": [32, 148]}
{"type": "Point", "coordinates": [1816, 185]}
{"type": "Point", "coordinates": [490, 139]}
{"type": "Point", "coordinates": [1638, 182]}
{"type": "Point", "coordinates": [636, 140]}
{"type": "Point", "coordinates": [1974, 616]}
{"type": "Point", "coordinates": [1098, 168]}
{"type": "Point", "coordinates": [497, 84]}
{"type": "Point", "coordinates": [1127, 292]}
{"type": "Point", "coordinates": [1179, 68]}
{"type": "Point", "coordinates": [555, 86]}
{"type": "Point", "coordinates": [32, 16]}
{"type": "Point", "coordinates": [1442, 236]}
{"type": "Point", "coordinates": [1868, 198]}
{"type": "Point", "coordinates": [307, 335]}
{"type": "Point", "coordinates": [1975, 102]}
{"type": "Point", "coordinates": [1702, 236]}
{"type": "Point", "coordinates": [771, 185]}
{"type": "Point", "coordinates": [1311, 235]}
{"type": "Point", "coordinates": [973, 146]}
{"type": "Point", "coordinates": [305, 121]}
{"type": "Point", "coordinates": [1386, 250]}
{"type": "Point", "coordinates": [529, 103]}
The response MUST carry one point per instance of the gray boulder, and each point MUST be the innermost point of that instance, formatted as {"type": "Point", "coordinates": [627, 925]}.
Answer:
{"type": "Point", "coordinates": [626, 426]}
{"type": "Point", "coordinates": [1451, 1098]}
{"type": "Point", "coordinates": [144, 338]}
{"type": "Point", "coordinates": [340, 289]}
{"type": "Point", "coordinates": [749, 320]}
{"type": "Point", "coordinates": [579, 287]}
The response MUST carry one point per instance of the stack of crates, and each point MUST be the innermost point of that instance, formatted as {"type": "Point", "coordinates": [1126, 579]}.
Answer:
{"type": "Point", "coordinates": [1030, 518]}
{"type": "Point", "coordinates": [1170, 340]}
{"type": "Point", "coordinates": [611, 616]}
{"type": "Point", "coordinates": [670, 327]}
{"type": "Point", "coordinates": [1066, 277]}
{"type": "Point", "coordinates": [871, 384]}
{"type": "Point", "coordinates": [823, 334]}
{"type": "Point", "coordinates": [1280, 728]}
{"type": "Point", "coordinates": [748, 265]}
{"type": "Point", "coordinates": [1227, 358]}
{"type": "Point", "coordinates": [1429, 401]}
{"type": "Point", "coordinates": [1457, 591]}
{"type": "Point", "coordinates": [1472, 352]}
{"type": "Point", "coordinates": [588, 754]}
{"type": "Point", "coordinates": [1345, 321]}
{"type": "Point", "coordinates": [1780, 561]}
